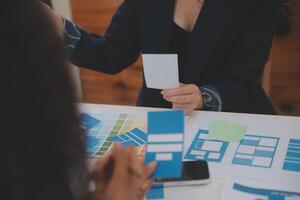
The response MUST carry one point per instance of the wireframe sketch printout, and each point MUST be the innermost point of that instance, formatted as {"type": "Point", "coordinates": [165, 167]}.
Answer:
{"type": "Point", "coordinates": [159, 192]}
{"type": "Point", "coordinates": [292, 159]}
{"type": "Point", "coordinates": [206, 149]}
{"type": "Point", "coordinates": [269, 150]}
{"type": "Point", "coordinates": [161, 71]}
{"type": "Point", "coordinates": [165, 143]}
{"type": "Point", "coordinates": [252, 189]}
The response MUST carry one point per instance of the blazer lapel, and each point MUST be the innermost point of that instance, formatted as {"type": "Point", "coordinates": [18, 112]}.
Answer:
{"type": "Point", "coordinates": [155, 23]}
{"type": "Point", "coordinates": [207, 32]}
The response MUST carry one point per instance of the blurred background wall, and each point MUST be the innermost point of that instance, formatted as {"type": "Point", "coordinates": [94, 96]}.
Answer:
{"type": "Point", "coordinates": [281, 80]}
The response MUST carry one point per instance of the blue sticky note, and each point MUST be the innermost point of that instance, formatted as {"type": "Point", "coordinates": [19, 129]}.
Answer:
{"type": "Point", "coordinates": [156, 192]}
{"type": "Point", "coordinates": [166, 122]}
{"type": "Point", "coordinates": [165, 143]}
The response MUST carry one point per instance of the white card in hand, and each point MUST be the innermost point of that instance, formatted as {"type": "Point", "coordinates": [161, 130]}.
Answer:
{"type": "Point", "coordinates": [161, 71]}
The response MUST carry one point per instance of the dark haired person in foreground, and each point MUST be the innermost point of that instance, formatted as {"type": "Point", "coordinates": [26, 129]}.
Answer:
{"type": "Point", "coordinates": [41, 146]}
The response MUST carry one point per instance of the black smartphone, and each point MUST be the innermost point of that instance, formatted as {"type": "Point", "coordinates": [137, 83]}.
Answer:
{"type": "Point", "coordinates": [193, 173]}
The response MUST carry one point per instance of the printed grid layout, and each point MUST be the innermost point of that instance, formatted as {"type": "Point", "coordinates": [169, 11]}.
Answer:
{"type": "Point", "coordinates": [292, 159]}
{"type": "Point", "coordinates": [204, 149]}
{"type": "Point", "coordinates": [112, 124]}
{"type": "Point", "coordinates": [256, 151]}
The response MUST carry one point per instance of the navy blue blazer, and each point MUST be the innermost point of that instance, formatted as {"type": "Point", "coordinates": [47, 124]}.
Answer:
{"type": "Point", "coordinates": [228, 48]}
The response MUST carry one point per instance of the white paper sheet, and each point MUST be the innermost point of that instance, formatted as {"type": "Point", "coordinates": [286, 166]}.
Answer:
{"type": "Point", "coordinates": [179, 193]}
{"type": "Point", "coordinates": [243, 189]}
{"type": "Point", "coordinates": [161, 71]}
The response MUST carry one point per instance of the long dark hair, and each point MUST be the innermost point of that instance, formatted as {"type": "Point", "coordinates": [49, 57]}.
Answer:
{"type": "Point", "coordinates": [41, 142]}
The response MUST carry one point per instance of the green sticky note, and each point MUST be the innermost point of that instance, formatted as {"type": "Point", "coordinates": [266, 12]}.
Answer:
{"type": "Point", "coordinates": [226, 131]}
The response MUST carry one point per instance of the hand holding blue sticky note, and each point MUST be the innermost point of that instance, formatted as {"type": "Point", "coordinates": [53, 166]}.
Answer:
{"type": "Point", "coordinates": [165, 143]}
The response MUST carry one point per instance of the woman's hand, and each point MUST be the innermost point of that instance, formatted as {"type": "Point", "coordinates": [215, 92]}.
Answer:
{"type": "Point", "coordinates": [187, 97]}
{"type": "Point", "coordinates": [121, 176]}
{"type": "Point", "coordinates": [148, 170]}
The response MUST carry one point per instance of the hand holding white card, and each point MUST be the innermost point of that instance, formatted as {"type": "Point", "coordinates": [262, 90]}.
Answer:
{"type": "Point", "coordinates": [161, 71]}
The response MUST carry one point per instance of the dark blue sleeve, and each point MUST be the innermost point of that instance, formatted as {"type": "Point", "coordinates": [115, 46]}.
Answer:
{"type": "Point", "coordinates": [113, 52]}
{"type": "Point", "coordinates": [72, 35]}
{"type": "Point", "coordinates": [212, 99]}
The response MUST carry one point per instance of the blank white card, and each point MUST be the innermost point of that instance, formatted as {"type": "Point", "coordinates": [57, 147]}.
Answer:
{"type": "Point", "coordinates": [161, 71]}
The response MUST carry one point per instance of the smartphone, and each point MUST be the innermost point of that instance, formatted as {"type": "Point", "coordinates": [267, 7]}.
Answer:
{"type": "Point", "coordinates": [193, 173]}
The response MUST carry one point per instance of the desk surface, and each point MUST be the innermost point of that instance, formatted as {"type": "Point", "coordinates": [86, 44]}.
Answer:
{"type": "Point", "coordinates": [265, 127]}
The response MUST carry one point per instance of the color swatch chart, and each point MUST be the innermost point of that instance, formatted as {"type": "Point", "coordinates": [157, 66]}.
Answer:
{"type": "Point", "coordinates": [203, 149]}
{"type": "Point", "coordinates": [101, 127]}
{"type": "Point", "coordinates": [256, 151]}
{"type": "Point", "coordinates": [292, 160]}
{"type": "Point", "coordinates": [135, 138]}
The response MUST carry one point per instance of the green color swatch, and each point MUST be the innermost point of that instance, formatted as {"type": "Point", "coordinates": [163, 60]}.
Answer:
{"type": "Point", "coordinates": [226, 131]}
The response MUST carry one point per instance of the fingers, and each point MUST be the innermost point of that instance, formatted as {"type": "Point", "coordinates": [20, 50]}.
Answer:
{"type": "Point", "coordinates": [182, 99]}
{"type": "Point", "coordinates": [136, 167]}
{"type": "Point", "coordinates": [177, 91]}
{"type": "Point", "coordinates": [102, 172]}
{"type": "Point", "coordinates": [145, 187]}
{"type": "Point", "coordinates": [122, 158]}
{"type": "Point", "coordinates": [98, 169]}
{"type": "Point", "coordinates": [181, 90]}
{"type": "Point", "coordinates": [127, 163]}
{"type": "Point", "coordinates": [149, 169]}
{"type": "Point", "coordinates": [183, 94]}
{"type": "Point", "coordinates": [109, 164]}
{"type": "Point", "coordinates": [186, 97]}
{"type": "Point", "coordinates": [187, 108]}
{"type": "Point", "coordinates": [128, 175]}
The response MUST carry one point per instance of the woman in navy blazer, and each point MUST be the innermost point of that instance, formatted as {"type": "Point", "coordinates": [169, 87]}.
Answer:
{"type": "Point", "coordinates": [221, 59]}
